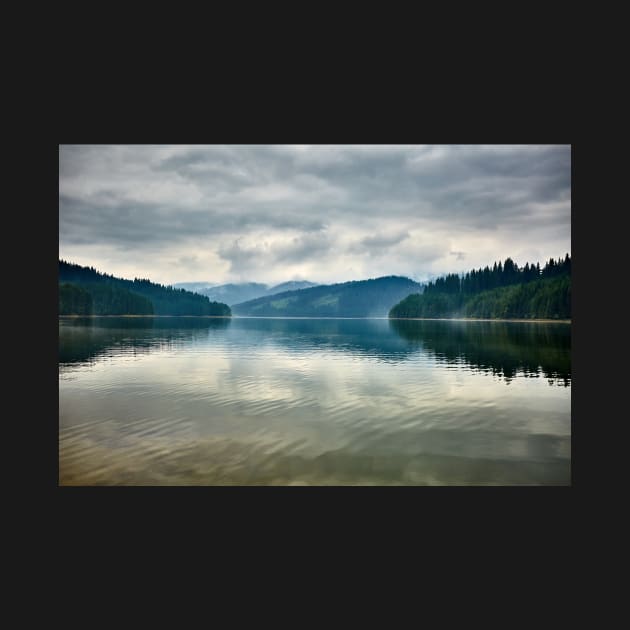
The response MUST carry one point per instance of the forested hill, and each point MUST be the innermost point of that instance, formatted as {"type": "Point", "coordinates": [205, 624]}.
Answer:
{"type": "Point", "coordinates": [246, 291]}
{"type": "Point", "coordinates": [83, 290]}
{"type": "Point", "coordinates": [506, 291]}
{"type": "Point", "coordinates": [362, 298]}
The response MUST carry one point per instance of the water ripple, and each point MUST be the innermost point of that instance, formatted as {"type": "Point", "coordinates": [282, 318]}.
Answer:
{"type": "Point", "coordinates": [354, 402]}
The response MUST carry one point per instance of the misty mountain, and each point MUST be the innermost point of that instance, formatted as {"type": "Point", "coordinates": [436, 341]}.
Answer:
{"type": "Point", "coordinates": [235, 293]}
{"type": "Point", "coordinates": [363, 298]}
{"type": "Point", "coordinates": [292, 285]}
{"type": "Point", "coordinates": [195, 287]}
{"type": "Point", "coordinates": [232, 293]}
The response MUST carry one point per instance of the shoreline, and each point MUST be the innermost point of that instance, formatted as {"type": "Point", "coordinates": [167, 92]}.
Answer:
{"type": "Point", "coordinates": [479, 319]}
{"type": "Point", "coordinates": [145, 316]}
{"type": "Point", "coordinates": [413, 319]}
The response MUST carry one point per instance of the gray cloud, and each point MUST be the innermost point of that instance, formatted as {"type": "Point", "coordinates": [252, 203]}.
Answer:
{"type": "Point", "coordinates": [299, 249]}
{"type": "Point", "coordinates": [305, 247]}
{"type": "Point", "coordinates": [329, 213]}
{"type": "Point", "coordinates": [378, 244]}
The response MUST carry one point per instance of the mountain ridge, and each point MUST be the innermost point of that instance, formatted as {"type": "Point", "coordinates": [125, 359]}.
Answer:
{"type": "Point", "coordinates": [373, 297]}
{"type": "Point", "coordinates": [237, 292]}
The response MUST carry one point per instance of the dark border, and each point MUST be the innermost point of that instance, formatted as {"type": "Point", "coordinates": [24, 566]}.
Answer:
{"type": "Point", "coordinates": [404, 119]}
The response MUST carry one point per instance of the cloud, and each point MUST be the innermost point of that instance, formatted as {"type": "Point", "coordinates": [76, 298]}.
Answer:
{"type": "Point", "coordinates": [247, 255]}
{"type": "Point", "coordinates": [267, 213]}
{"type": "Point", "coordinates": [379, 244]}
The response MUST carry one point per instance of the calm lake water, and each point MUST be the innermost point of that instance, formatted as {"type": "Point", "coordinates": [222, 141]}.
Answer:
{"type": "Point", "coordinates": [192, 401]}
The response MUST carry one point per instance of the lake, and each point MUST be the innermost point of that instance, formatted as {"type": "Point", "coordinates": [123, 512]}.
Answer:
{"type": "Point", "coordinates": [247, 401]}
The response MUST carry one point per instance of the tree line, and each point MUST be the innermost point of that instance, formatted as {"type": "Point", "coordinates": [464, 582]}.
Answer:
{"type": "Point", "coordinates": [500, 275]}
{"type": "Point", "coordinates": [86, 291]}
{"type": "Point", "coordinates": [505, 291]}
{"type": "Point", "coordinates": [101, 299]}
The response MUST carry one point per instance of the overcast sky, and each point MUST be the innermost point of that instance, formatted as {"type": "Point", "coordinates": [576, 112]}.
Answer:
{"type": "Point", "coordinates": [322, 213]}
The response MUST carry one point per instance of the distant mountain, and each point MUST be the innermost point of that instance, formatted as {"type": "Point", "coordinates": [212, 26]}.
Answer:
{"type": "Point", "coordinates": [363, 298]}
{"type": "Point", "coordinates": [292, 285]}
{"type": "Point", "coordinates": [85, 291]}
{"type": "Point", "coordinates": [235, 293]}
{"type": "Point", "coordinates": [195, 287]}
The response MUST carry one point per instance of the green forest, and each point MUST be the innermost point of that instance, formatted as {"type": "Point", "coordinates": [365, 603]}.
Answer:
{"type": "Point", "coordinates": [362, 298]}
{"type": "Point", "coordinates": [101, 299]}
{"type": "Point", "coordinates": [85, 291]}
{"type": "Point", "coordinates": [505, 291]}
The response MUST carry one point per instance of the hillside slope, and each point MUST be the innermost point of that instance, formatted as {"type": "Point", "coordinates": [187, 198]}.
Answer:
{"type": "Point", "coordinates": [245, 291]}
{"type": "Point", "coordinates": [111, 295]}
{"type": "Point", "coordinates": [505, 292]}
{"type": "Point", "coordinates": [363, 298]}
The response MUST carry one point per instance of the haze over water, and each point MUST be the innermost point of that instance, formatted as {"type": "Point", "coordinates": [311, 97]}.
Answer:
{"type": "Point", "coordinates": [195, 401]}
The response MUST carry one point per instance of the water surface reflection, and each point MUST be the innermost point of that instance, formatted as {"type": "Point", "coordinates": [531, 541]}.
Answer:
{"type": "Point", "coordinates": [183, 401]}
{"type": "Point", "coordinates": [505, 348]}
{"type": "Point", "coordinates": [86, 339]}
